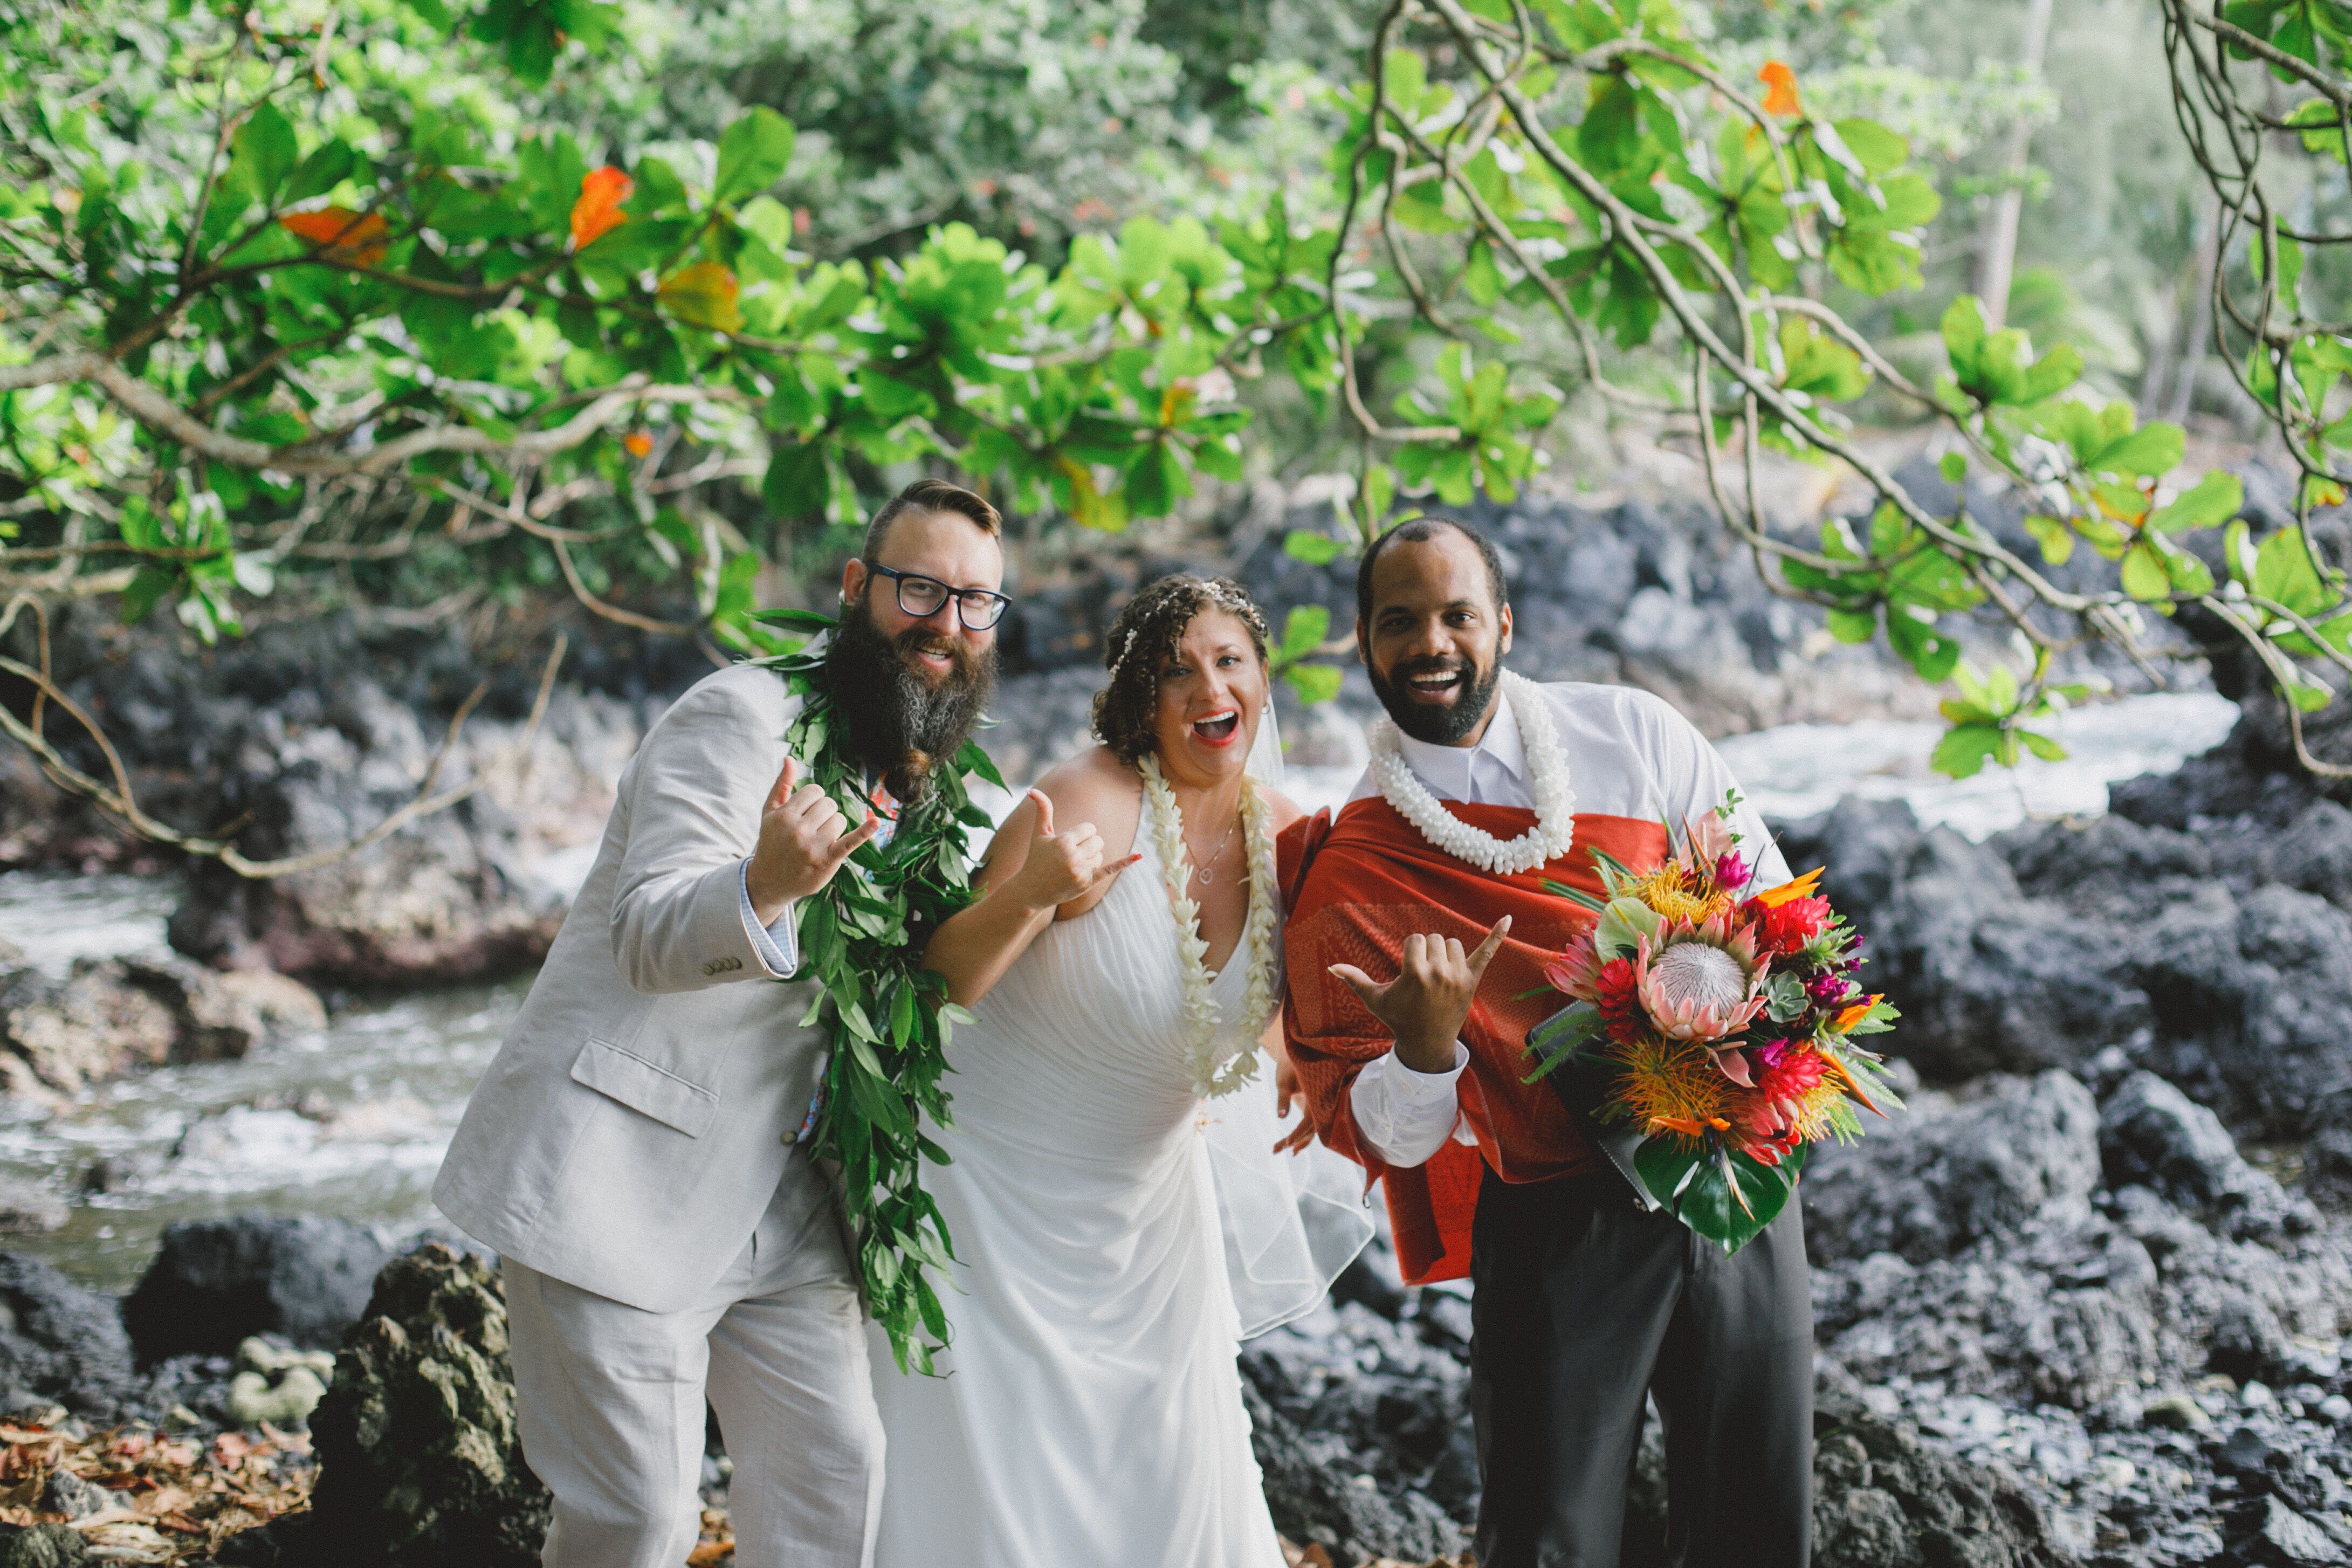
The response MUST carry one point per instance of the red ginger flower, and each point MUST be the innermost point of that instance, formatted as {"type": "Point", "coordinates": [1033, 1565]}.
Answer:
{"type": "Point", "coordinates": [1788, 927]}
{"type": "Point", "coordinates": [1792, 1075]}
{"type": "Point", "coordinates": [1617, 993]}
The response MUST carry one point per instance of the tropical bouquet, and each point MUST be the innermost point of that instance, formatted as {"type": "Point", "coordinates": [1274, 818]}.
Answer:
{"type": "Point", "coordinates": [1711, 1040]}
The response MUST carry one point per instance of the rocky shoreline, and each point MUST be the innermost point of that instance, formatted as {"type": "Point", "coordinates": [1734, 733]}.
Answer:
{"type": "Point", "coordinates": [2085, 1302]}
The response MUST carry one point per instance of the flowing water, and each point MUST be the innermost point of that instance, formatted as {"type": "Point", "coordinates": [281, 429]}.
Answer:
{"type": "Point", "coordinates": [353, 1120]}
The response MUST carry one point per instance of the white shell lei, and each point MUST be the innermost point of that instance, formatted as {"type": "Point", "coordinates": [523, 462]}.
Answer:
{"type": "Point", "coordinates": [1165, 822]}
{"type": "Point", "coordinates": [1555, 828]}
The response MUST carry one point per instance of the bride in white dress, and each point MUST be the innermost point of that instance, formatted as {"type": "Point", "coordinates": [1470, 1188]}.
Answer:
{"type": "Point", "coordinates": [1118, 1216]}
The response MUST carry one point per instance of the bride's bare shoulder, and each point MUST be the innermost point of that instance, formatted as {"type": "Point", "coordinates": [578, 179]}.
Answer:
{"type": "Point", "coordinates": [1094, 780]}
{"type": "Point", "coordinates": [1282, 809]}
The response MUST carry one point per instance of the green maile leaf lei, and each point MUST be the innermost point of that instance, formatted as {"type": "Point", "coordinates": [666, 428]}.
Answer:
{"type": "Point", "coordinates": [888, 1019]}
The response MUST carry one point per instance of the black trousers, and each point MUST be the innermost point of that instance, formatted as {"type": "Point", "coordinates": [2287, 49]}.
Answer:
{"type": "Point", "coordinates": [1584, 1302]}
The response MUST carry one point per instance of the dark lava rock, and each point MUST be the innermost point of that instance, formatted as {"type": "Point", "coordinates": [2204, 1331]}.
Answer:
{"type": "Point", "coordinates": [217, 1281]}
{"type": "Point", "coordinates": [60, 1342]}
{"type": "Point", "coordinates": [420, 1462]}
{"type": "Point", "coordinates": [2152, 1134]}
{"type": "Point", "coordinates": [1989, 979]}
{"type": "Point", "coordinates": [42, 1546]}
{"type": "Point", "coordinates": [1884, 1499]}
{"type": "Point", "coordinates": [1376, 1463]}
{"type": "Point", "coordinates": [1927, 1185]}
{"type": "Point", "coordinates": [2053, 942]}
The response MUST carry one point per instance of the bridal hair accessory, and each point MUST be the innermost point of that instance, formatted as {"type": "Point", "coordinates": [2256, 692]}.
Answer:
{"type": "Point", "coordinates": [1555, 828]}
{"type": "Point", "coordinates": [1165, 822]}
{"type": "Point", "coordinates": [1715, 1027]}
{"type": "Point", "coordinates": [1213, 594]}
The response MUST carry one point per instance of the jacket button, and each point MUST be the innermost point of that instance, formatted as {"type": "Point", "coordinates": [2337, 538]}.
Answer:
{"type": "Point", "coordinates": [710, 969]}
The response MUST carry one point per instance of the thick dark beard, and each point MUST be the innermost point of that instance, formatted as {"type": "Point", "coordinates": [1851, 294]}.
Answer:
{"type": "Point", "coordinates": [900, 723]}
{"type": "Point", "coordinates": [1447, 726]}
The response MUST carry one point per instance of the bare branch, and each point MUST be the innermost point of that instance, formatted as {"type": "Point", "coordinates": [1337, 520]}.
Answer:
{"type": "Point", "coordinates": [117, 797]}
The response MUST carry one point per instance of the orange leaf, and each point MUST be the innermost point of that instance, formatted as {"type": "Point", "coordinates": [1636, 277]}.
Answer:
{"type": "Point", "coordinates": [1803, 888]}
{"type": "Point", "coordinates": [702, 295]}
{"type": "Point", "coordinates": [637, 444]}
{"type": "Point", "coordinates": [342, 234]}
{"type": "Point", "coordinates": [1779, 89]}
{"type": "Point", "coordinates": [598, 211]}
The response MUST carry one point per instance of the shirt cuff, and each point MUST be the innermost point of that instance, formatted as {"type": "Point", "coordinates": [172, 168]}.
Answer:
{"type": "Point", "coordinates": [1415, 1084]}
{"type": "Point", "coordinates": [777, 945]}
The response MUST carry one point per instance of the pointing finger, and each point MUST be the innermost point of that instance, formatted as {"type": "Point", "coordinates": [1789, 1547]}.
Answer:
{"type": "Point", "coordinates": [1492, 945]}
{"type": "Point", "coordinates": [1103, 877]}
{"type": "Point", "coordinates": [784, 782]}
{"type": "Point", "coordinates": [849, 843]}
{"type": "Point", "coordinates": [1045, 813]}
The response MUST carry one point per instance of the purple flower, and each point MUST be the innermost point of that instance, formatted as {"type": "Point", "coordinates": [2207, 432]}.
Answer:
{"type": "Point", "coordinates": [1731, 875]}
{"type": "Point", "coordinates": [1768, 1055]}
{"type": "Point", "coordinates": [1828, 990]}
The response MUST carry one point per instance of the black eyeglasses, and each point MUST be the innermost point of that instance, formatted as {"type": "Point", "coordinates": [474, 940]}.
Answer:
{"type": "Point", "coordinates": [921, 597]}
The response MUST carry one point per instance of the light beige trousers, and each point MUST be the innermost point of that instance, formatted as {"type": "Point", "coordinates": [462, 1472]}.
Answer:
{"type": "Point", "coordinates": [609, 1401]}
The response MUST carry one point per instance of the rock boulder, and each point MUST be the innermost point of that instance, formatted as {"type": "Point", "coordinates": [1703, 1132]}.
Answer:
{"type": "Point", "coordinates": [61, 1342]}
{"type": "Point", "coordinates": [420, 1462]}
{"type": "Point", "coordinates": [215, 1282]}
{"type": "Point", "coordinates": [2009, 1151]}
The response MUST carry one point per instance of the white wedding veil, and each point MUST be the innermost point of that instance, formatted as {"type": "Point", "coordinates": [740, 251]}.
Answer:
{"type": "Point", "coordinates": [1291, 1222]}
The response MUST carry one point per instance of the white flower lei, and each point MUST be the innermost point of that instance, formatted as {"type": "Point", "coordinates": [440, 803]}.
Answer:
{"type": "Point", "coordinates": [1202, 1015]}
{"type": "Point", "coordinates": [1555, 828]}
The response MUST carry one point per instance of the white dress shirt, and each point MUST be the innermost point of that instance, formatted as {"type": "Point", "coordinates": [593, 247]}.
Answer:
{"type": "Point", "coordinates": [1629, 753]}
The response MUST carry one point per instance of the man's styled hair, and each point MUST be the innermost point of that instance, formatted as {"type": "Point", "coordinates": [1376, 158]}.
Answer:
{"type": "Point", "coordinates": [928, 495]}
{"type": "Point", "coordinates": [1418, 531]}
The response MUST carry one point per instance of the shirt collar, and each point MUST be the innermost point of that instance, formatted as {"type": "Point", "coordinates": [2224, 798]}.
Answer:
{"type": "Point", "coordinates": [1452, 768]}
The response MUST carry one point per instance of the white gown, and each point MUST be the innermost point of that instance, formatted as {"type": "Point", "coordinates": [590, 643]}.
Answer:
{"type": "Point", "coordinates": [1092, 1413]}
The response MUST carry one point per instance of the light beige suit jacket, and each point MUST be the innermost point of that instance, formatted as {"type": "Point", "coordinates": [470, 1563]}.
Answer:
{"type": "Point", "coordinates": [641, 1111]}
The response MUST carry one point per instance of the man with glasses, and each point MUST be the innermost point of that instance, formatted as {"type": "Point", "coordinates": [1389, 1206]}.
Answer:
{"type": "Point", "coordinates": [634, 1151]}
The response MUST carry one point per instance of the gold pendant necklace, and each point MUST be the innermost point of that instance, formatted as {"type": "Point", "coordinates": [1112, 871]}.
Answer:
{"type": "Point", "coordinates": [1200, 871]}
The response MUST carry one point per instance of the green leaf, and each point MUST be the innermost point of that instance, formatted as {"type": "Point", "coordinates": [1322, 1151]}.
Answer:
{"type": "Point", "coordinates": [1304, 629]}
{"type": "Point", "coordinates": [1965, 749]}
{"type": "Point", "coordinates": [1620, 923]}
{"type": "Point", "coordinates": [1312, 683]}
{"type": "Point", "coordinates": [327, 166]}
{"type": "Point", "coordinates": [2283, 573]}
{"type": "Point", "coordinates": [752, 151]}
{"type": "Point", "coordinates": [1732, 1197]}
{"type": "Point", "coordinates": [1852, 626]}
{"type": "Point", "coordinates": [2153, 449]}
{"type": "Point", "coordinates": [2213, 501]}
{"type": "Point", "coordinates": [1315, 549]}
{"type": "Point", "coordinates": [2143, 574]}
{"type": "Point", "coordinates": [2057, 541]}
{"type": "Point", "coordinates": [1879, 149]}
{"type": "Point", "coordinates": [1953, 465]}
{"type": "Point", "coordinates": [264, 153]}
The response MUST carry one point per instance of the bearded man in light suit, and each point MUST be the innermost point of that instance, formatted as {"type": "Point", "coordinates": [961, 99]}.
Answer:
{"type": "Point", "coordinates": [634, 1153]}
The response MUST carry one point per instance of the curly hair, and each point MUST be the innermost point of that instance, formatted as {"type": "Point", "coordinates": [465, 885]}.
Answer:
{"type": "Point", "coordinates": [1144, 633]}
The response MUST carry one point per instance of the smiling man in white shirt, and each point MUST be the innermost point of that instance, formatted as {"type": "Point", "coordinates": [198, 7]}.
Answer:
{"type": "Point", "coordinates": [1483, 786]}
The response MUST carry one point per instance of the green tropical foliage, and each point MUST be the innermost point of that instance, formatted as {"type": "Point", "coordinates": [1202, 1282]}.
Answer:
{"type": "Point", "coordinates": [435, 305]}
